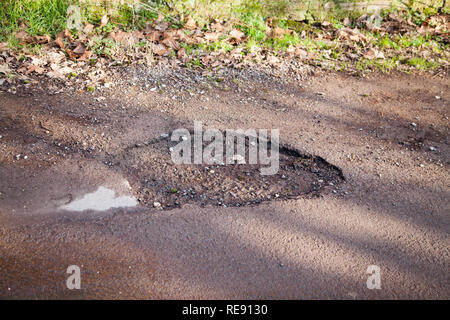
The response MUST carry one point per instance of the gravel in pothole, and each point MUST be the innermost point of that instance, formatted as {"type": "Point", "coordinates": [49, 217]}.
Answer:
{"type": "Point", "coordinates": [157, 181]}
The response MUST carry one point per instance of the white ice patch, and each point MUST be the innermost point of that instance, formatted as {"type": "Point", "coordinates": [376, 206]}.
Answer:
{"type": "Point", "coordinates": [100, 200]}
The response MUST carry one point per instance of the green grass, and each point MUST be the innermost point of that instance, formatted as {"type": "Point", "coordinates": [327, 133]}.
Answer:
{"type": "Point", "coordinates": [386, 42]}
{"type": "Point", "coordinates": [217, 46]}
{"type": "Point", "coordinates": [39, 17]}
{"type": "Point", "coordinates": [416, 41]}
{"type": "Point", "coordinates": [387, 65]}
{"type": "Point", "coordinates": [422, 63]}
{"type": "Point", "coordinates": [253, 26]}
{"type": "Point", "coordinates": [400, 42]}
{"type": "Point", "coordinates": [284, 42]}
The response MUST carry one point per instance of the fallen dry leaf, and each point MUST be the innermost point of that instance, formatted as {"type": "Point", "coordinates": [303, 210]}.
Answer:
{"type": "Point", "coordinates": [125, 38]}
{"type": "Point", "coordinates": [154, 35]}
{"type": "Point", "coordinates": [172, 33]}
{"type": "Point", "coordinates": [54, 74]}
{"type": "Point", "coordinates": [85, 56]}
{"type": "Point", "coordinates": [160, 49]}
{"type": "Point", "coordinates": [272, 60]}
{"type": "Point", "coordinates": [302, 54]}
{"type": "Point", "coordinates": [277, 32]}
{"type": "Point", "coordinates": [23, 37]}
{"type": "Point", "coordinates": [191, 40]}
{"type": "Point", "coordinates": [290, 49]}
{"type": "Point", "coordinates": [181, 54]}
{"type": "Point", "coordinates": [59, 43]}
{"type": "Point", "coordinates": [171, 43]}
{"type": "Point", "coordinates": [23, 68]}
{"type": "Point", "coordinates": [190, 23]}
{"type": "Point", "coordinates": [43, 39]}
{"type": "Point", "coordinates": [207, 59]}
{"type": "Point", "coordinates": [55, 57]}
{"type": "Point", "coordinates": [347, 21]}
{"type": "Point", "coordinates": [138, 35]}
{"type": "Point", "coordinates": [236, 54]}
{"type": "Point", "coordinates": [148, 28]}
{"type": "Point", "coordinates": [237, 35]}
{"type": "Point", "coordinates": [163, 26]}
{"type": "Point", "coordinates": [88, 28]}
{"type": "Point", "coordinates": [64, 34]}
{"type": "Point", "coordinates": [71, 55]}
{"type": "Point", "coordinates": [37, 61]}
{"type": "Point", "coordinates": [200, 39]}
{"type": "Point", "coordinates": [373, 54]}
{"type": "Point", "coordinates": [218, 26]}
{"type": "Point", "coordinates": [351, 34]}
{"type": "Point", "coordinates": [66, 70]}
{"type": "Point", "coordinates": [212, 36]}
{"type": "Point", "coordinates": [370, 22]}
{"type": "Point", "coordinates": [104, 21]}
{"type": "Point", "coordinates": [80, 53]}
{"type": "Point", "coordinates": [34, 68]}
{"type": "Point", "coordinates": [4, 68]}
{"type": "Point", "coordinates": [59, 71]}
{"type": "Point", "coordinates": [79, 49]}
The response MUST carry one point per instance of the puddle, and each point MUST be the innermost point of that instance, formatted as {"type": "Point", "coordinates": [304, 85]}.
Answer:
{"type": "Point", "coordinates": [100, 200]}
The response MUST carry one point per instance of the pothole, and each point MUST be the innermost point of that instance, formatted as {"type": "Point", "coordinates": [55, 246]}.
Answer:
{"type": "Point", "coordinates": [157, 181]}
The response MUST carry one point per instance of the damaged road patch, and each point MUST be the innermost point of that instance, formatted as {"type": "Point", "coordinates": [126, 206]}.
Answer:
{"type": "Point", "coordinates": [157, 181]}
